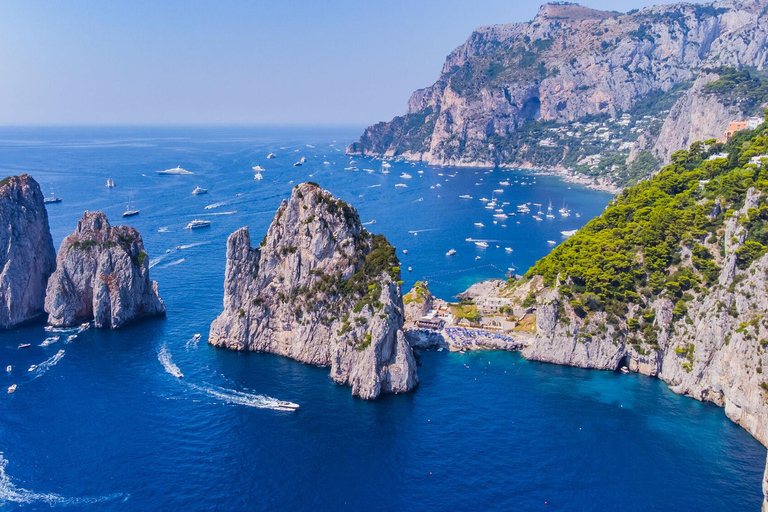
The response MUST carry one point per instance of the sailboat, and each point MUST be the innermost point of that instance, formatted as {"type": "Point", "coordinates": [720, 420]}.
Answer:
{"type": "Point", "coordinates": [128, 212]}
{"type": "Point", "coordinates": [110, 183]}
{"type": "Point", "coordinates": [550, 215]}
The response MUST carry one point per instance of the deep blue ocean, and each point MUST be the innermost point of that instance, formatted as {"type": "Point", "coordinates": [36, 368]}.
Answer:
{"type": "Point", "coordinates": [101, 424]}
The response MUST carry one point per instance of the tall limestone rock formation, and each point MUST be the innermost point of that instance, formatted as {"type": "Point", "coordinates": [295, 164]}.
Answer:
{"type": "Point", "coordinates": [102, 274]}
{"type": "Point", "coordinates": [575, 85]}
{"type": "Point", "coordinates": [321, 290]}
{"type": "Point", "coordinates": [27, 257]}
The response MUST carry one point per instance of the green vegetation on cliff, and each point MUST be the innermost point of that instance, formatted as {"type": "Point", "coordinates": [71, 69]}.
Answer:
{"type": "Point", "coordinates": [739, 87]}
{"type": "Point", "coordinates": [634, 251]}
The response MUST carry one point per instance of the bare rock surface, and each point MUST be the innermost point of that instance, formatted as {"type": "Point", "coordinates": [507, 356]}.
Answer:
{"type": "Point", "coordinates": [102, 274]}
{"type": "Point", "coordinates": [27, 256]}
{"type": "Point", "coordinates": [321, 290]}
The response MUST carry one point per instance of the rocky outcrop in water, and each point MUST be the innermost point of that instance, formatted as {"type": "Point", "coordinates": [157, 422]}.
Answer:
{"type": "Point", "coordinates": [102, 274]}
{"type": "Point", "coordinates": [321, 290]}
{"type": "Point", "coordinates": [575, 85]}
{"type": "Point", "coordinates": [27, 257]}
{"type": "Point", "coordinates": [417, 302]}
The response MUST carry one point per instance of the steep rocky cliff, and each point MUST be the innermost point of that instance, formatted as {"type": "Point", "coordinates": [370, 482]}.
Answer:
{"type": "Point", "coordinates": [321, 290]}
{"type": "Point", "coordinates": [575, 86]}
{"type": "Point", "coordinates": [27, 257]}
{"type": "Point", "coordinates": [102, 274]}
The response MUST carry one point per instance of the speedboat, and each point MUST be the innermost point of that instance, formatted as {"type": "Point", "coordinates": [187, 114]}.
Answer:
{"type": "Point", "coordinates": [479, 224]}
{"type": "Point", "coordinates": [551, 242]}
{"type": "Point", "coordinates": [569, 233]}
{"type": "Point", "coordinates": [451, 252]}
{"type": "Point", "coordinates": [25, 345]}
{"type": "Point", "coordinates": [401, 185]}
{"type": "Point", "coordinates": [271, 155]}
{"type": "Point", "coordinates": [196, 336]}
{"type": "Point", "coordinates": [110, 183]}
{"type": "Point", "coordinates": [12, 388]}
{"type": "Point", "coordinates": [504, 183]}
{"type": "Point", "coordinates": [624, 370]}
{"type": "Point", "coordinates": [481, 244]}
{"type": "Point", "coordinates": [9, 368]}
{"type": "Point", "coordinates": [200, 190]}
{"type": "Point", "coordinates": [258, 176]}
{"type": "Point", "coordinates": [405, 176]}
{"type": "Point", "coordinates": [300, 162]}
{"type": "Point", "coordinates": [508, 249]}
{"type": "Point", "coordinates": [175, 170]}
{"type": "Point", "coordinates": [410, 269]}
{"type": "Point", "coordinates": [258, 168]}
{"type": "Point", "coordinates": [32, 368]}
{"type": "Point", "coordinates": [465, 196]}
{"type": "Point", "coordinates": [196, 224]}
{"type": "Point", "coordinates": [287, 405]}
{"type": "Point", "coordinates": [500, 215]}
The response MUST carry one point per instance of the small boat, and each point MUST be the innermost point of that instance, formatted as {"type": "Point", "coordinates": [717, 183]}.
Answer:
{"type": "Point", "coordinates": [401, 185]}
{"type": "Point", "coordinates": [405, 176]}
{"type": "Point", "coordinates": [504, 183]}
{"type": "Point", "coordinates": [32, 368]}
{"type": "Point", "coordinates": [410, 269]}
{"type": "Point", "coordinates": [196, 336]}
{"type": "Point", "coordinates": [479, 224]}
{"type": "Point", "coordinates": [440, 349]}
{"type": "Point", "coordinates": [624, 370]}
{"type": "Point", "coordinates": [501, 215]}
{"type": "Point", "coordinates": [197, 224]}
{"type": "Point", "coordinates": [405, 251]}
{"type": "Point", "coordinates": [287, 405]}
{"type": "Point", "coordinates": [551, 242]}
{"type": "Point", "coordinates": [508, 249]}
{"type": "Point", "coordinates": [569, 233]}
{"type": "Point", "coordinates": [351, 168]}
{"type": "Point", "coordinates": [52, 199]}
{"type": "Point", "coordinates": [451, 252]}
{"type": "Point", "coordinates": [12, 388]}
{"type": "Point", "coordinates": [128, 212]}
{"type": "Point", "coordinates": [301, 162]}
{"type": "Point", "coordinates": [498, 191]}
{"type": "Point", "coordinates": [465, 196]}
{"type": "Point", "coordinates": [271, 155]}
{"type": "Point", "coordinates": [477, 257]}
{"type": "Point", "coordinates": [9, 368]}
{"type": "Point", "coordinates": [258, 176]}
{"type": "Point", "coordinates": [200, 190]}
{"type": "Point", "coordinates": [484, 200]}
{"type": "Point", "coordinates": [25, 345]}
{"type": "Point", "coordinates": [110, 183]}
{"type": "Point", "coordinates": [175, 171]}
{"type": "Point", "coordinates": [536, 217]}
{"type": "Point", "coordinates": [258, 168]}
{"type": "Point", "coordinates": [384, 171]}
{"type": "Point", "coordinates": [326, 162]}
{"type": "Point", "coordinates": [482, 244]}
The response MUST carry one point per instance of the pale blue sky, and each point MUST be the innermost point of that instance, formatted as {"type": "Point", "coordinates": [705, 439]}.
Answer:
{"type": "Point", "coordinates": [237, 62]}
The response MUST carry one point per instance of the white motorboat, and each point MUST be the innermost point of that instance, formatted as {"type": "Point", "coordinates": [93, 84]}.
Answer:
{"type": "Point", "coordinates": [405, 176]}
{"type": "Point", "coordinates": [508, 249]}
{"type": "Point", "coordinates": [110, 183]}
{"type": "Point", "coordinates": [258, 168]}
{"type": "Point", "coordinates": [569, 233]}
{"type": "Point", "coordinates": [200, 190]}
{"type": "Point", "coordinates": [501, 215]}
{"type": "Point", "coordinates": [479, 224]}
{"type": "Point", "coordinates": [197, 224]}
{"type": "Point", "coordinates": [175, 171]}
{"type": "Point", "coordinates": [271, 155]}
{"type": "Point", "coordinates": [12, 388]}
{"type": "Point", "coordinates": [258, 176]}
{"type": "Point", "coordinates": [451, 252]}
{"type": "Point", "coordinates": [301, 161]}
{"type": "Point", "coordinates": [283, 404]}
{"type": "Point", "coordinates": [465, 196]}
{"type": "Point", "coordinates": [482, 244]}
{"type": "Point", "coordinates": [401, 185]}
{"type": "Point", "coordinates": [9, 368]}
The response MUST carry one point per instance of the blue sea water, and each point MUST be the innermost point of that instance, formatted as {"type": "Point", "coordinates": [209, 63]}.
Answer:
{"type": "Point", "coordinates": [102, 424]}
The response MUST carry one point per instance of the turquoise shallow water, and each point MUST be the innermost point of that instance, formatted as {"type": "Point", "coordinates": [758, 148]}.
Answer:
{"type": "Point", "coordinates": [103, 425]}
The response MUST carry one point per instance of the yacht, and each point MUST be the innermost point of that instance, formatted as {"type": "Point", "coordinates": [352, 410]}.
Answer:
{"type": "Point", "coordinates": [482, 244]}
{"type": "Point", "coordinates": [12, 388]}
{"type": "Point", "coordinates": [465, 196]}
{"type": "Point", "coordinates": [52, 199]}
{"type": "Point", "coordinates": [479, 224]}
{"type": "Point", "coordinates": [301, 161]}
{"type": "Point", "coordinates": [128, 212]}
{"type": "Point", "coordinates": [498, 191]}
{"type": "Point", "coordinates": [287, 405]}
{"type": "Point", "coordinates": [110, 183]}
{"type": "Point", "coordinates": [175, 170]}
{"type": "Point", "coordinates": [550, 215]}
{"type": "Point", "coordinates": [385, 171]}
{"type": "Point", "coordinates": [258, 168]}
{"type": "Point", "coordinates": [200, 190]}
{"type": "Point", "coordinates": [401, 185]}
{"type": "Point", "coordinates": [405, 176]}
{"type": "Point", "coordinates": [551, 242]}
{"type": "Point", "coordinates": [569, 233]}
{"type": "Point", "coordinates": [25, 345]}
{"type": "Point", "coordinates": [351, 168]}
{"type": "Point", "coordinates": [484, 200]}
{"type": "Point", "coordinates": [449, 253]}
{"type": "Point", "coordinates": [504, 183]}
{"type": "Point", "coordinates": [501, 215]}
{"type": "Point", "coordinates": [508, 249]}
{"type": "Point", "coordinates": [196, 224]}
{"type": "Point", "coordinates": [258, 176]}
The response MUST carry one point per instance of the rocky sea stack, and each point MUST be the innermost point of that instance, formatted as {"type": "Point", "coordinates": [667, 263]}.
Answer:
{"type": "Point", "coordinates": [321, 290]}
{"type": "Point", "coordinates": [27, 257]}
{"type": "Point", "coordinates": [102, 274]}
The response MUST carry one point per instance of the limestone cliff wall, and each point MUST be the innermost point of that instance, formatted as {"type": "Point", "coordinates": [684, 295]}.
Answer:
{"type": "Point", "coordinates": [27, 257]}
{"type": "Point", "coordinates": [295, 296]}
{"type": "Point", "coordinates": [102, 274]}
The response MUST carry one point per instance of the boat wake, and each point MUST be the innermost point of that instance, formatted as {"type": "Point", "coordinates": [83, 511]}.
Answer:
{"type": "Point", "coordinates": [10, 493]}
{"type": "Point", "coordinates": [154, 261]}
{"type": "Point", "coordinates": [215, 205]}
{"type": "Point", "coordinates": [165, 359]}
{"type": "Point", "coordinates": [50, 341]}
{"type": "Point", "coordinates": [221, 213]}
{"type": "Point", "coordinates": [193, 341]}
{"type": "Point", "coordinates": [234, 397]}
{"type": "Point", "coordinates": [173, 263]}
{"type": "Point", "coordinates": [163, 230]}
{"type": "Point", "coordinates": [189, 246]}
{"type": "Point", "coordinates": [46, 365]}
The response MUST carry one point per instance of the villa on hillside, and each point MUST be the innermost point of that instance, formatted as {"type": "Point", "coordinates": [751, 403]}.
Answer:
{"type": "Point", "coordinates": [737, 126]}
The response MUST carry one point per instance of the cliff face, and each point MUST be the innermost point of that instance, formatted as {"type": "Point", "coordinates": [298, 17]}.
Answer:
{"type": "Point", "coordinates": [27, 257]}
{"type": "Point", "coordinates": [321, 290]}
{"type": "Point", "coordinates": [102, 274]}
{"type": "Point", "coordinates": [502, 96]}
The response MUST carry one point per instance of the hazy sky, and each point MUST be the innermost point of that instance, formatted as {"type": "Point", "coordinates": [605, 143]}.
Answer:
{"type": "Point", "coordinates": [282, 61]}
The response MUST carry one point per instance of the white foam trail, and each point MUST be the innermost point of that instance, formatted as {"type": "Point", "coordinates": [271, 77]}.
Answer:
{"type": "Point", "coordinates": [47, 364]}
{"type": "Point", "coordinates": [182, 260]}
{"type": "Point", "coordinates": [154, 261]}
{"type": "Point", "coordinates": [165, 359]}
{"type": "Point", "coordinates": [220, 213]}
{"type": "Point", "coordinates": [189, 246]}
{"type": "Point", "coordinates": [215, 205]}
{"type": "Point", "coordinates": [164, 229]}
{"type": "Point", "coordinates": [194, 340]}
{"type": "Point", "coordinates": [234, 397]}
{"type": "Point", "coordinates": [422, 230]}
{"type": "Point", "coordinates": [375, 186]}
{"type": "Point", "coordinates": [50, 341]}
{"type": "Point", "coordinates": [10, 493]}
